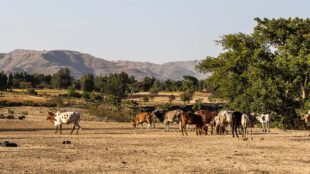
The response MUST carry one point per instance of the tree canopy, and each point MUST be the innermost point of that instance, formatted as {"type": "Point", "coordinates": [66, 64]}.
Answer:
{"type": "Point", "coordinates": [266, 71]}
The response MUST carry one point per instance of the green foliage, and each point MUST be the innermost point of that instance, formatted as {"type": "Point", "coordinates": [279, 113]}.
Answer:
{"type": "Point", "coordinates": [198, 104]}
{"type": "Point", "coordinates": [95, 97]}
{"type": "Point", "coordinates": [61, 79]}
{"type": "Point", "coordinates": [145, 99]}
{"type": "Point", "coordinates": [189, 83]}
{"type": "Point", "coordinates": [31, 91]}
{"type": "Point", "coordinates": [3, 81]}
{"type": "Point", "coordinates": [10, 81]}
{"type": "Point", "coordinates": [72, 92]}
{"type": "Point", "coordinates": [117, 85]}
{"type": "Point", "coordinates": [187, 95]}
{"type": "Point", "coordinates": [86, 95]}
{"type": "Point", "coordinates": [56, 101]}
{"type": "Point", "coordinates": [171, 98]}
{"type": "Point", "coordinates": [123, 112]}
{"type": "Point", "coordinates": [113, 100]}
{"type": "Point", "coordinates": [267, 71]}
{"type": "Point", "coordinates": [87, 82]}
{"type": "Point", "coordinates": [164, 106]}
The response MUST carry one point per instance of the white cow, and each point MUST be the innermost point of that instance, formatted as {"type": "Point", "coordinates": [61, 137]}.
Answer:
{"type": "Point", "coordinates": [264, 119]}
{"type": "Point", "coordinates": [246, 121]}
{"type": "Point", "coordinates": [59, 118]}
{"type": "Point", "coordinates": [225, 121]}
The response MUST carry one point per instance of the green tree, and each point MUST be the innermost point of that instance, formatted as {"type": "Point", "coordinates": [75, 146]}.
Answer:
{"type": "Point", "coordinates": [187, 96]}
{"type": "Point", "coordinates": [145, 99]}
{"type": "Point", "coordinates": [87, 82]}
{"type": "Point", "coordinates": [3, 81]}
{"type": "Point", "coordinates": [61, 79]}
{"type": "Point", "coordinates": [10, 81]}
{"type": "Point", "coordinates": [171, 98]}
{"type": "Point", "coordinates": [71, 91]}
{"type": "Point", "coordinates": [266, 71]}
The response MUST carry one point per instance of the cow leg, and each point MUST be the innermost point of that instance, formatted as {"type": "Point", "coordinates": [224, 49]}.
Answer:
{"type": "Point", "coordinates": [232, 131]}
{"type": "Point", "coordinates": [212, 130]}
{"type": "Point", "coordinates": [168, 127]}
{"type": "Point", "coordinates": [60, 129]}
{"type": "Point", "coordinates": [165, 124]}
{"type": "Point", "coordinates": [180, 125]}
{"type": "Point", "coordinates": [79, 127]}
{"type": "Point", "coordinates": [72, 129]}
{"type": "Point", "coordinates": [236, 131]}
{"type": "Point", "coordinates": [56, 129]}
{"type": "Point", "coordinates": [251, 134]}
{"type": "Point", "coordinates": [268, 126]}
{"type": "Point", "coordinates": [148, 127]}
{"type": "Point", "coordinates": [141, 127]}
{"type": "Point", "coordinates": [263, 124]}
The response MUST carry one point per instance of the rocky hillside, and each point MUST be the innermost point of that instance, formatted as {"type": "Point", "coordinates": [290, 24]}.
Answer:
{"type": "Point", "coordinates": [49, 62]}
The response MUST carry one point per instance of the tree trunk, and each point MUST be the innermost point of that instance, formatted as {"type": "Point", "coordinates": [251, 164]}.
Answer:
{"type": "Point", "coordinates": [303, 89]}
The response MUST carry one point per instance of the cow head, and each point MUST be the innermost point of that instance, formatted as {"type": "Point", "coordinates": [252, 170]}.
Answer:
{"type": "Point", "coordinates": [50, 116]}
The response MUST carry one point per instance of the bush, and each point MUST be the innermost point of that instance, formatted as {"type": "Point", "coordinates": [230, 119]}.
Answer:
{"type": "Point", "coordinates": [106, 112]}
{"type": "Point", "coordinates": [198, 104]}
{"type": "Point", "coordinates": [28, 103]}
{"type": "Point", "coordinates": [187, 96]}
{"type": "Point", "coordinates": [86, 95]}
{"type": "Point", "coordinates": [165, 106]}
{"type": "Point", "coordinates": [72, 92]}
{"type": "Point", "coordinates": [55, 101]}
{"type": "Point", "coordinates": [31, 91]}
{"type": "Point", "coordinates": [95, 97]}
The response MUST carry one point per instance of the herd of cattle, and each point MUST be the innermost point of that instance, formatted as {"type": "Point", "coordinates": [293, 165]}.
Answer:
{"type": "Point", "coordinates": [219, 122]}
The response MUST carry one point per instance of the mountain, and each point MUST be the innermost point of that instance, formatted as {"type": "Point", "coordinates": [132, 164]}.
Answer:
{"type": "Point", "coordinates": [49, 62]}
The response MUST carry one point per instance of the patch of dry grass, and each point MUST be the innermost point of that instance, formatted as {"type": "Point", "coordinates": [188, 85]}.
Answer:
{"type": "Point", "coordinates": [109, 147]}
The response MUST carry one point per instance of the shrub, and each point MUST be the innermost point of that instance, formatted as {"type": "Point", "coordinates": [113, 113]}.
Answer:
{"type": "Point", "coordinates": [198, 104]}
{"type": "Point", "coordinates": [86, 95]}
{"type": "Point", "coordinates": [31, 91]}
{"type": "Point", "coordinates": [95, 97]}
{"type": "Point", "coordinates": [72, 92]}
{"type": "Point", "coordinates": [55, 101]}
{"type": "Point", "coordinates": [28, 103]}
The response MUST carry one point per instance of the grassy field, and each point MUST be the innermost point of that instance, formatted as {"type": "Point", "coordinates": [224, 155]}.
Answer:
{"type": "Point", "coordinates": [44, 95]}
{"type": "Point", "coordinates": [109, 147]}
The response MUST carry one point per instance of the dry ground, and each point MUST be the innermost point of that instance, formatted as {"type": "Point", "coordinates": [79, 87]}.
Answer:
{"type": "Point", "coordinates": [108, 147]}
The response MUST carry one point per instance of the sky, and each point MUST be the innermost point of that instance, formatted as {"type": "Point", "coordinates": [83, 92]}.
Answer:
{"type": "Point", "coordinates": [156, 31]}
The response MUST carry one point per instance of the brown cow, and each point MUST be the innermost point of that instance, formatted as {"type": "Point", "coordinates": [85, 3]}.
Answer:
{"type": "Point", "coordinates": [207, 118]}
{"type": "Point", "coordinates": [143, 117]}
{"type": "Point", "coordinates": [306, 118]}
{"type": "Point", "coordinates": [190, 118]}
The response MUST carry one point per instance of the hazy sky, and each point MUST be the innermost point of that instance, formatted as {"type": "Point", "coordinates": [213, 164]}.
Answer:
{"type": "Point", "coordinates": [138, 30]}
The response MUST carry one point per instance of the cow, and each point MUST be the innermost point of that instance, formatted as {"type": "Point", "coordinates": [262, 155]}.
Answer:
{"type": "Point", "coordinates": [168, 117]}
{"type": "Point", "coordinates": [216, 124]}
{"type": "Point", "coordinates": [306, 118]}
{"type": "Point", "coordinates": [247, 120]}
{"type": "Point", "coordinates": [143, 117]}
{"type": "Point", "coordinates": [191, 118]}
{"type": "Point", "coordinates": [225, 121]}
{"type": "Point", "coordinates": [235, 123]}
{"type": "Point", "coordinates": [207, 118]}
{"type": "Point", "coordinates": [264, 119]}
{"type": "Point", "coordinates": [60, 118]}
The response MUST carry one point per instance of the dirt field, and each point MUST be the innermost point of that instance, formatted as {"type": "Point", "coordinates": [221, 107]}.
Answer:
{"type": "Point", "coordinates": [108, 147]}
